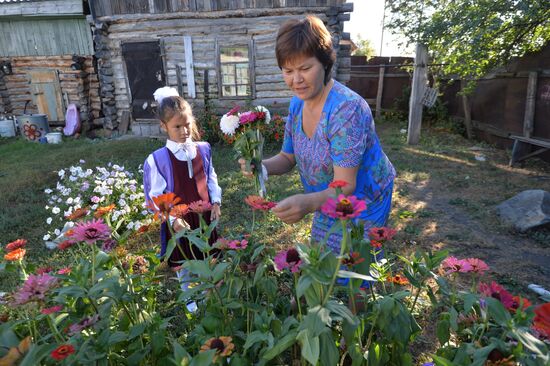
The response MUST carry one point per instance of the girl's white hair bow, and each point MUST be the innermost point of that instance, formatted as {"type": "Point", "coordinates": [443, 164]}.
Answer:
{"type": "Point", "coordinates": [164, 92]}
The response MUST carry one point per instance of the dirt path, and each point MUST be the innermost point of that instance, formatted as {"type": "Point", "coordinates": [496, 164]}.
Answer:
{"type": "Point", "coordinates": [445, 197]}
{"type": "Point", "coordinates": [514, 259]}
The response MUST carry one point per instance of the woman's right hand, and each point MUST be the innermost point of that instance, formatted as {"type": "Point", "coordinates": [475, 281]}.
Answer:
{"type": "Point", "coordinates": [244, 170]}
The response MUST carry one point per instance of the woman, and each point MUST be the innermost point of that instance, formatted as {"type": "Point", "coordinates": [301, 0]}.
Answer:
{"type": "Point", "coordinates": [329, 135]}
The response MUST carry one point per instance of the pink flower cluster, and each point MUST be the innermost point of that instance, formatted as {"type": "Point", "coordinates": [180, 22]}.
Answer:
{"type": "Point", "coordinates": [473, 265]}
{"type": "Point", "coordinates": [35, 288]}
{"type": "Point", "coordinates": [223, 243]}
{"type": "Point", "coordinates": [251, 117]}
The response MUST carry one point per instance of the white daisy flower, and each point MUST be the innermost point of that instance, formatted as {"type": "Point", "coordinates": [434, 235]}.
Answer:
{"type": "Point", "coordinates": [229, 124]}
{"type": "Point", "coordinates": [49, 220]}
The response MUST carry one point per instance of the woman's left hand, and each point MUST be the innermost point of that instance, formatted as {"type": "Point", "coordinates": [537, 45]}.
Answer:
{"type": "Point", "coordinates": [216, 212]}
{"type": "Point", "coordinates": [292, 209]}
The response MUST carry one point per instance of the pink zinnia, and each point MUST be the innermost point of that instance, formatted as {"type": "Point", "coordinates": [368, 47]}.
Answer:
{"type": "Point", "coordinates": [35, 288]}
{"type": "Point", "coordinates": [498, 292]}
{"type": "Point", "coordinates": [236, 244]}
{"type": "Point", "coordinates": [288, 259]}
{"type": "Point", "coordinates": [91, 231]}
{"type": "Point", "coordinates": [478, 266]}
{"type": "Point", "coordinates": [222, 243]}
{"type": "Point", "coordinates": [343, 207]}
{"type": "Point", "coordinates": [452, 264]}
{"type": "Point", "coordinates": [53, 309]}
{"type": "Point", "coordinates": [234, 111]}
{"type": "Point", "coordinates": [200, 207]}
{"type": "Point", "coordinates": [247, 117]}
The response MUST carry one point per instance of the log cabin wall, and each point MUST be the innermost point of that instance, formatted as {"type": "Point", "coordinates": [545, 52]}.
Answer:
{"type": "Point", "coordinates": [80, 87]}
{"type": "Point", "coordinates": [211, 25]}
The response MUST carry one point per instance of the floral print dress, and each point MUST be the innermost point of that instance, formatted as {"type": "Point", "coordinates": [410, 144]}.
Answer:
{"type": "Point", "coordinates": [344, 137]}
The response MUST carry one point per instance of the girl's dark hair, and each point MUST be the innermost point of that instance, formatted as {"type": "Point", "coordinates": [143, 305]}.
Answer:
{"type": "Point", "coordinates": [305, 37]}
{"type": "Point", "coordinates": [172, 106]}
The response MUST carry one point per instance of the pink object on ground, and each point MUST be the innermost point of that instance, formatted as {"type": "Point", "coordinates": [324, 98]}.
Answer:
{"type": "Point", "coordinates": [72, 121]}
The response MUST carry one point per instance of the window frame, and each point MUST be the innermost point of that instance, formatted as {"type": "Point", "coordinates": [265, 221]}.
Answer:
{"type": "Point", "coordinates": [251, 76]}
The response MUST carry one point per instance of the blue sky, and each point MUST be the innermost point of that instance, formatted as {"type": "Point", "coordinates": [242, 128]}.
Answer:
{"type": "Point", "coordinates": [366, 19]}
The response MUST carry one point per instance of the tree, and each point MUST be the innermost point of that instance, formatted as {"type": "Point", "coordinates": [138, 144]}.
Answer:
{"type": "Point", "coordinates": [472, 37]}
{"type": "Point", "coordinates": [364, 47]}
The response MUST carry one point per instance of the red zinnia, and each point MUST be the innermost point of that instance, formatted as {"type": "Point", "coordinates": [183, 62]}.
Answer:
{"type": "Point", "coordinates": [375, 244]}
{"type": "Point", "coordinates": [62, 352]}
{"type": "Point", "coordinates": [354, 258]}
{"type": "Point", "coordinates": [19, 243]}
{"type": "Point", "coordinates": [338, 184]}
{"type": "Point", "coordinates": [78, 213]}
{"type": "Point", "coordinates": [541, 322]}
{"type": "Point", "coordinates": [498, 292]}
{"type": "Point", "coordinates": [42, 270]}
{"type": "Point", "coordinates": [381, 233]}
{"type": "Point", "coordinates": [200, 207]}
{"type": "Point", "coordinates": [51, 310]}
{"type": "Point", "coordinates": [65, 244]}
{"type": "Point", "coordinates": [258, 203]}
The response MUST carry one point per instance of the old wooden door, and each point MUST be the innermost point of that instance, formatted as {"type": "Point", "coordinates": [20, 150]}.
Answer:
{"type": "Point", "coordinates": [46, 93]}
{"type": "Point", "coordinates": [145, 72]}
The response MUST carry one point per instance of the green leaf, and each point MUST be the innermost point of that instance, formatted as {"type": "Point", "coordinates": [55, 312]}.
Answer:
{"type": "Point", "coordinates": [257, 252]}
{"type": "Point", "coordinates": [533, 344]}
{"type": "Point", "coordinates": [282, 344]}
{"type": "Point", "coordinates": [253, 338]}
{"type": "Point", "coordinates": [443, 328]}
{"type": "Point", "coordinates": [497, 311]}
{"type": "Point", "coordinates": [310, 346]}
{"type": "Point", "coordinates": [341, 310]}
{"type": "Point", "coordinates": [136, 330]}
{"type": "Point", "coordinates": [117, 337]}
{"type": "Point", "coordinates": [303, 284]}
{"type": "Point", "coordinates": [219, 271]}
{"type": "Point", "coordinates": [329, 352]}
{"type": "Point", "coordinates": [198, 267]}
{"type": "Point", "coordinates": [180, 354]}
{"type": "Point", "coordinates": [441, 361]}
{"type": "Point", "coordinates": [315, 322]}
{"type": "Point", "coordinates": [203, 358]}
{"type": "Point", "coordinates": [260, 270]}
{"type": "Point", "coordinates": [36, 354]}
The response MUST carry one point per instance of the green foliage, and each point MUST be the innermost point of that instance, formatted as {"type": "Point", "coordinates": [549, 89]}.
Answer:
{"type": "Point", "coordinates": [364, 47]}
{"type": "Point", "coordinates": [471, 37]}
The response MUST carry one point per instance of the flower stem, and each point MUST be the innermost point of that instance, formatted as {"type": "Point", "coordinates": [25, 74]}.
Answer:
{"type": "Point", "coordinates": [297, 298]}
{"type": "Point", "coordinates": [343, 246]}
{"type": "Point", "coordinates": [58, 337]}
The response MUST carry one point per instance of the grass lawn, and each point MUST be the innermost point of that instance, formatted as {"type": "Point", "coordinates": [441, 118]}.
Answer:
{"type": "Point", "coordinates": [443, 196]}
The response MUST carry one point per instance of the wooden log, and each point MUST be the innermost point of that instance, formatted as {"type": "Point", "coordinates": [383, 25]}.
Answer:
{"type": "Point", "coordinates": [379, 92]}
{"type": "Point", "coordinates": [467, 111]}
{"type": "Point", "coordinates": [529, 119]}
{"type": "Point", "coordinates": [420, 78]}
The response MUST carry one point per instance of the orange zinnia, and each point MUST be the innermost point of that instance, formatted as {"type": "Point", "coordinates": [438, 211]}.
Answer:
{"type": "Point", "coordinates": [259, 203]}
{"type": "Point", "coordinates": [179, 211]}
{"type": "Point", "coordinates": [78, 213]}
{"type": "Point", "coordinates": [102, 211]}
{"type": "Point", "coordinates": [398, 280]}
{"type": "Point", "coordinates": [163, 204]}
{"type": "Point", "coordinates": [15, 255]}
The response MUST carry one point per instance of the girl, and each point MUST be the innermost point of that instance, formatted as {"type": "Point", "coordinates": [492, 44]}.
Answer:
{"type": "Point", "coordinates": [184, 167]}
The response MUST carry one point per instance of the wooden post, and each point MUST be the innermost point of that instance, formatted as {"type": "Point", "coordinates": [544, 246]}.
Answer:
{"type": "Point", "coordinates": [380, 91]}
{"type": "Point", "coordinates": [528, 120]}
{"type": "Point", "coordinates": [189, 68]}
{"type": "Point", "coordinates": [420, 78]}
{"type": "Point", "coordinates": [467, 111]}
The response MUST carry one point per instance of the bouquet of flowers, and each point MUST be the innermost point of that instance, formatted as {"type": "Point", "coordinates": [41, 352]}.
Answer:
{"type": "Point", "coordinates": [246, 128]}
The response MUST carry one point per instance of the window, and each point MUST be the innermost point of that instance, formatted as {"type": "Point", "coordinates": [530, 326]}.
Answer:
{"type": "Point", "coordinates": [235, 72]}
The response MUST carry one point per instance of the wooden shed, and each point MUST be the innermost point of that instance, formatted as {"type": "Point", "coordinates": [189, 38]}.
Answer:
{"type": "Point", "coordinates": [220, 50]}
{"type": "Point", "coordinates": [46, 50]}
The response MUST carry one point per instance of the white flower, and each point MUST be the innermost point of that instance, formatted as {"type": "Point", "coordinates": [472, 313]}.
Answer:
{"type": "Point", "coordinates": [67, 213]}
{"type": "Point", "coordinates": [48, 191]}
{"type": "Point", "coordinates": [82, 161]}
{"type": "Point", "coordinates": [94, 207]}
{"type": "Point", "coordinates": [121, 202]}
{"type": "Point", "coordinates": [130, 225]}
{"type": "Point", "coordinates": [261, 108]}
{"type": "Point", "coordinates": [49, 221]}
{"type": "Point", "coordinates": [72, 178]}
{"type": "Point", "coordinates": [77, 199]}
{"type": "Point", "coordinates": [229, 124]}
{"type": "Point", "coordinates": [46, 237]}
{"type": "Point", "coordinates": [57, 232]}
{"type": "Point", "coordinates": [56, 210]}
{"type": "Point", "coordinates": [69, 201]}
{"type": "Point", "coordinates": [61, 173]}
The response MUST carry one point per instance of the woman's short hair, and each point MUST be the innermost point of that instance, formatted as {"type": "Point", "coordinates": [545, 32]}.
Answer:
{"type": "Point", "coordinates": [172, 106]}
{"type": "Point", "coordinates": [305, 37]}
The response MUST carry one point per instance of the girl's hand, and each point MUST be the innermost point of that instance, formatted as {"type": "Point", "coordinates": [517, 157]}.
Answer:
{"type": "Point", "coordinates": [246, 173]}
{"type": "Point", "coordinates": [292, 209]}
{"type": "Point", "coordinates": [179, 225]}
{"type": "Point", "coordinates": [216, 212]}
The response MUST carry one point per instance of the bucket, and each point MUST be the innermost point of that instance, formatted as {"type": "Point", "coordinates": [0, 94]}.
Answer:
{"type": "Point", "coordinates": [53, 137]}
{"type": "Point", "coordinates": [33, 126]}
{"type": "Point", "coordinates": [7, 128]}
